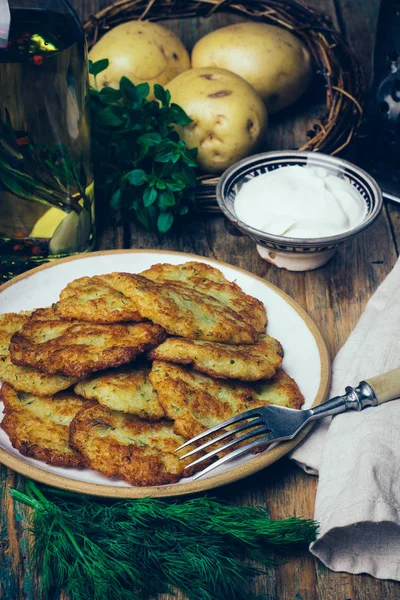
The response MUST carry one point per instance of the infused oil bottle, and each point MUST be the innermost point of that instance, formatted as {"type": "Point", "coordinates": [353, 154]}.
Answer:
{"type": "Point", "coordinates": [46, 180]}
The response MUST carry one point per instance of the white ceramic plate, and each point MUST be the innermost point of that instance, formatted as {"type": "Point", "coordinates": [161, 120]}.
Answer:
{"type": "Point", "coordinates": [306, 359]}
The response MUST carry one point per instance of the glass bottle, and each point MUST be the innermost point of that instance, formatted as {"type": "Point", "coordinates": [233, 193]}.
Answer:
{"type": "Point", "coordinates": [46, 179]}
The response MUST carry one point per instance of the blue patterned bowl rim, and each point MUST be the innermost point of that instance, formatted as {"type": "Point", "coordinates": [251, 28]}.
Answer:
{"type": "Point", "coordinates": [365, 184]}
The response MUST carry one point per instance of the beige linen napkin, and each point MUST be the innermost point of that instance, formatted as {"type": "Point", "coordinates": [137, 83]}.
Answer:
{"type": "Point", "coordinates": [357, 455]}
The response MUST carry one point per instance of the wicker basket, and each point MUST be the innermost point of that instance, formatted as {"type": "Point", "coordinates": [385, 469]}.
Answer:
{"type": "Point", "coordinates": [337, 67]}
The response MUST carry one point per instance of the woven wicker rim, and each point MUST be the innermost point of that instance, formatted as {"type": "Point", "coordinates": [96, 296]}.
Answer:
{"type": "Point", "coordinates": [335, 62]}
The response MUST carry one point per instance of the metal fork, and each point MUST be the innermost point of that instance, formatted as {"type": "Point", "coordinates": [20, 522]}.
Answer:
{"type": "Point", "coordinates": [270, 424]}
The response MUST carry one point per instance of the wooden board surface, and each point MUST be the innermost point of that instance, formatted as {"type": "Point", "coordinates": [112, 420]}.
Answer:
{"type": "Point", "coordinates": [334, 296]}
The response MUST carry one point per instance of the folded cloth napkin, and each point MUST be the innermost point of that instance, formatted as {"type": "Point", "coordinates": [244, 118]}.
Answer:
{"type": "Point", "coordinates": [357, 454]}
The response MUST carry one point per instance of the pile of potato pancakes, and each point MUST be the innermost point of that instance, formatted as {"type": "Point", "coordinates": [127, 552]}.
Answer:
{"type": "Point", "coordinates": [124, 368]}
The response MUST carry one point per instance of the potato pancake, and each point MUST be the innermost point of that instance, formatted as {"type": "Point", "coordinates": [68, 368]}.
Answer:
{"type": "Point", "coordinates": [77, 349]}
{"type": "Point", "coordinates": [197, 402]}
{"type": "Point", "coordinates": [183, 311]}
{"type": "Point", "coordinates": [39, 427]}
{"type": "Point", "coordinates": [10, 323]}
{"type": "Point", "coordinates": [281, 390]}
{"type": "Point", "coordinates": [127, 447]}
{"type": "Point", "coordinates": [125, 390]}
{"type": "Point", "coordinates": [209, 280]}
{"type": "Point", "coordinates": [246, 363]}
{"type": "Point", "coordinates": [26, 379]}
{"type": "Point", "coordinates": [94, 299]}
{"type": "Point", "coordinates": [32, 381]}
{"type": "Point", "coordinates": [45, 314]}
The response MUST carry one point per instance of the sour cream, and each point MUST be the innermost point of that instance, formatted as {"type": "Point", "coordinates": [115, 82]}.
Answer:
{"type": "Point", "coordinates": [300, 202]}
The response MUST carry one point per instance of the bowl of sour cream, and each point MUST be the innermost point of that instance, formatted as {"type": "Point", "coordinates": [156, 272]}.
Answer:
{"type": "Point", "coordinates": [298, 206]}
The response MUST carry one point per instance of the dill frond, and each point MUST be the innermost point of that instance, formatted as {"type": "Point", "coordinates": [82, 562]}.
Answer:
{"type": "Point", "coordinates": [137, 549]}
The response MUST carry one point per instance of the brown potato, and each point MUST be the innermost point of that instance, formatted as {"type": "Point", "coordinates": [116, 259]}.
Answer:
{"type": "Point", "coordinates": [229, 118]}
{"type": "Point", "coordinates": [142, 52]}
{"type": "Point", "coordinates": [271, 59]}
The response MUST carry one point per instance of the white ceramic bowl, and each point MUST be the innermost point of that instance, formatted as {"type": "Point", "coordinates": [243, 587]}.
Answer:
{"type": "Point", "coordinates": [296, 254]}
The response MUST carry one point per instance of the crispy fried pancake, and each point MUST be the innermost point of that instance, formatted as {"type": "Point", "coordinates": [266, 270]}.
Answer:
{"type": "Point", "coordinates": [45, 314]}
{"type": "Point", "coordinates": [94, 299]}
{"type": "Point", "coordinates": [39, 427]}
{"type": "Point", "coordinates": [183, 311]}
{"type": "Point", "coordinates": [10, 323]}
{"type": "Point", "coordinates": [281, 390]}
{"type": "Point", "coordinates": [124, 446]}
{"type": "Point", "coordinates": [209, 280]}
{"type": "Point", "coordinates": [125, 390]}
{"type": "Point", "coordinates": [77, 349]}
{"type": "Point", "coordinates": [246, 363]}
{"type": "Point", "coordinates": [25, 379]}
{"type": "Point", "coordinates": [197, 402]}
{"type": "Point", "coordinates": [32, 381]}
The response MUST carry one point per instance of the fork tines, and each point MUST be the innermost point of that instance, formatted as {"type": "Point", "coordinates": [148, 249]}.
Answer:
{"type": "Point", "coordinates": [253, 421]}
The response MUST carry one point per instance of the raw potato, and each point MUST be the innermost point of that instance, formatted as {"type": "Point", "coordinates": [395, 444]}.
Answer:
{"type": "Point", "coordinates": [141, 51]}
{"type": "Point", "coordinates": [271, 59]}
{"type": "Point", "coordinates": [229, 118]}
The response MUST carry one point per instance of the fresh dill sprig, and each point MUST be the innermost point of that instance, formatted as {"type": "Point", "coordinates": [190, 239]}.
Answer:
{"type": "Point", "coordinates": [136, 549]}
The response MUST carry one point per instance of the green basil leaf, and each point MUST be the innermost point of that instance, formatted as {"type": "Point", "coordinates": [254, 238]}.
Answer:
{"type": "Point", "coordinates": [143, 217]}
{"type": "Point", "coordinates": [175, 155]}
{"type": "Point", "coordinates": [164, 221]}
{"type": "Point", "coordinates": [189, 159]}
{"type": "Point", "coordinates": [142, 150]}
{"type": "Point", "coordinates": [134, 128]}
{"type": "Point", "coordinates": [161, 185]}
{"type": "Point", "coordinates": [166, 199]}
{"type": "Point", "coordinates": [136, 177]}
{"type": "Point", "coordinates": [95, 100]}
{"type": "Point", "coordinates": [162, 95]}
{"type": "Point", "coordinates": [109, 118]}
{"type": "Point", "coordinates": [149, 196]}
{"type": "Point", "coordinates": [97, 67]}
{"type": "Point", "coordinates": [163, 157]}
{"type": "Point", "coordinates": [115, 199]}
{"type": "Point", "coordinates": [178, 115]}
{"type": "Point", "coordinates": [183, 210]}
{"type": "Point", "coordinates": [176, 185]}
{"type": "Point", "coordinates": [142, 91]}
{"type": "Point", "coordinates": [128, 89]}
{"type": "Point", "coordinates": [150, 139]}
{"type": "Point", "coordinates": [185, 176]}
{"type": "Point", "coordinates": [163, 151]}
{"type": "Point", "coordinates": [110, 94]}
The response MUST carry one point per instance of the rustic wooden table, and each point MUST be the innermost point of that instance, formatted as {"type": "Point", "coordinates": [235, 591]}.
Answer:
{"type": "Point", "coordinates": [334, 296]}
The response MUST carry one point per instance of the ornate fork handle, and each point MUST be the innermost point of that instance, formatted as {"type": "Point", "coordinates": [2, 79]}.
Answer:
{"type": "Point", "coordinates": [356, 398]}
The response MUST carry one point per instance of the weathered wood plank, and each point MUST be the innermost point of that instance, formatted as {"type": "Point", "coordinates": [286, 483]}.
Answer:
{"type": "Point", "coordinates": [357, 21]}
{"type": "Point", "coordinates": [18, 578]}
